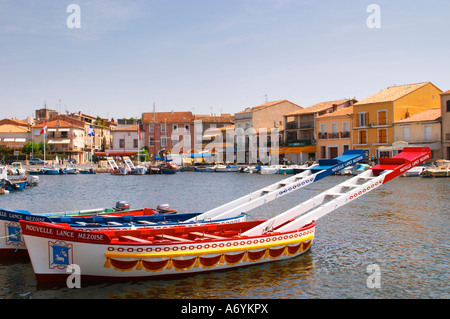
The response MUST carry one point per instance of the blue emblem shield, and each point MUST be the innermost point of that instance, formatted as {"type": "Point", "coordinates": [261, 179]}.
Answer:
{"type": "Point", "coordinates": [14, 234]}
{"type": "Point", "coordinates": [60, 255]}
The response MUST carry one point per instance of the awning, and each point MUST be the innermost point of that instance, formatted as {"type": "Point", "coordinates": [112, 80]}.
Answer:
{"type": "Point", "coordinates": [201, 155]}
{"type": "Point", "coordinates": [59, 142]}
{"type": "Point", "coordinates": [295, 149]}
{"type": "Point", "coordinates": [396, 146]}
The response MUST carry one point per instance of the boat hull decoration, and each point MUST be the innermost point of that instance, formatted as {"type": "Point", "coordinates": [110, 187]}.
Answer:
{"type": "Point", "coordinates": [107, 255]}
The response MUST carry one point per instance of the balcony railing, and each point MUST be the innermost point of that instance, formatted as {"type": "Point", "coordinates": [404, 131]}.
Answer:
{"type": "Point", "coordinates": [302, 125]}
{"type": "Point", "coordinates": [291, 142]}
{"type": "Point", "coordinates": [324, 136]}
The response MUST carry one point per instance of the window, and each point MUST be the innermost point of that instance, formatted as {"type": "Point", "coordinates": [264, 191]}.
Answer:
{"type": "Point", "coordinates": [186, 127]}
{"type": "Point", "coordinates": [382, 136]}
{"type": "Point", "coordinates": [323, 131]}
{"type": "Point", "coordinates": [334, 131]}
{"type": "Point", "coordinates": [135, 143]}
{"type": "Point", "coordinates": [175, 127]}
{"type": "Point", "coordinates": [163, 141]}
{"type": "Point", "coordinates": [448, 106]}
{"type": "Point", "coordinates": [64, 134]}
{"type": "Point", "coordinates": [346, 127]}
{"type": "Point", "coordinates": [151, 141]}
{"type": "Point", "coordinates": [346, 147]}
{"type": "Point", "coordinates": [323, 152]}
{"type": "Point", "coordinates": [427, 132]}
{"type": "Point", "coordinates": [187, 140]}
{"type": "Point", "coordinates": [405, 133]}
{"type": "Point", "coordinates": [362, 137]}
{"type": "Point", "coordinates": [122, 143]}
{"type": "Point", "coordinates": [362, 119]}
{"type": "Point", "coordinates": [382, 117]}
{"type": "Point", "coordinates": [163, 127]}
{"type": "Point", "coordinates": [151, 127]}
{"type": "Point", "coordinates": [175, 140]}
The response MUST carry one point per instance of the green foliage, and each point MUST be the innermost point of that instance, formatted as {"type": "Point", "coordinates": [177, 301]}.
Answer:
{"type": "Point", "coordinates": [31, 147]}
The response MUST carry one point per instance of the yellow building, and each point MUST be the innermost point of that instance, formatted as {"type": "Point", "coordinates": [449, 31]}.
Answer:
{"type": "Point", "coordinates": [334, 135]}
{"type": "Point", "coordinates": [373, 116]}
{"type": "Point", "coordinates": [445, 113]}
{"type": "Point", "coordinates": [421, 129]}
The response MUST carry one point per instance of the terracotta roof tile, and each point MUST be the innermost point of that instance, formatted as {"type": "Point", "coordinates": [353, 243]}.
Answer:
{"type": "Point", "coordinates": [7, 128]}
{"type": "Point", "coordinates": [61, 124]}
{"type": "Point", "coordinates": [318, 107]}
{"type": "Point", "coordinates": [168, 117]}
{"type": "Point", "coordinates": [262, 106]}
{"type": "Point", "coordinates": [13, 122]}
{"type": "Point", "coordinates": [392, 93]}
{"type": "Point", "coordinates": [131, 128]}
{"type": "Point", "coordinates": [223, 118]}
{"type": "Point", "coordinates": [428, 115]}
{"type": "Point", "coordinates": [340, 112]}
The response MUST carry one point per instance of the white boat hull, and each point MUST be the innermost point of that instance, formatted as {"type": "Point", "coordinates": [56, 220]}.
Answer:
{"type": "Point", "coordinates": [51, 257]}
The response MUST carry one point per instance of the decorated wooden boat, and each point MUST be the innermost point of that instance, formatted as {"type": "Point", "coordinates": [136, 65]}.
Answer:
{"type": "Point", "coordinates": [56, 249]}
{"type": "Point", "coordinates": [147, 253]}
{"type": "Point", "coordinates": [13, 246]}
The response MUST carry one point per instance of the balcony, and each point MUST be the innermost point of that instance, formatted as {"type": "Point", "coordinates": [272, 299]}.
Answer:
{"type": "Point", "coordinates": [291, 142]}
{"type": "Point", "coordinates": [325, 136]}
{"type": "Point", "coordinates": [299, 126]}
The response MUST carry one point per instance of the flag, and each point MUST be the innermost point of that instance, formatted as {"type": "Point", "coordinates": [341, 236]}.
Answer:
{"type": "Point", "coordinates": [44, 129]}
{"type": "Point", "coordinates": [91, 131]}
{"type": "Point", "coordinates": [139, 132]}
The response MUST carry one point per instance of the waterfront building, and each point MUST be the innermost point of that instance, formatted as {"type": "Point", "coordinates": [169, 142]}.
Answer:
{"type": "Point", "coordinates": [175, 131]}
{"type": "Point", "coordinates": [445, 114]}
{"type": "Point", "coordinates": [334, 133]}
{"type": "Point", "coordinates": [12, 135]}
{"type": "Point", "coordinates": [374, 116]}
{"type": "Point", "coordinates": [255, 123]}
{"type": "Point", "coordinates": [164, 130]}
{"type": "Point", "coordinates": [127, 141]}
{"type": "Point", "coordinates": [268, 115]}
{"type": "Point", "coordinates": [301, 132]}
{"type": "Point", "coordinates": [421, 129]}
{"type": "Point", "coordinates": [64, 139]}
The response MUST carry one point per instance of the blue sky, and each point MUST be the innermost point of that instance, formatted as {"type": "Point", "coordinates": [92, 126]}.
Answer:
{"type": "Point", "coordinates": [213, 56]}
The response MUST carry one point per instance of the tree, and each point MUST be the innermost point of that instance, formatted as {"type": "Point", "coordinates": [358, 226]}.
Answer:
{"type": "Point", "coordinates": [5, 152]}
{"type": "Point", "coordinates": [31, 147]}
{"type": "Point", "coordinates": [41, 147]}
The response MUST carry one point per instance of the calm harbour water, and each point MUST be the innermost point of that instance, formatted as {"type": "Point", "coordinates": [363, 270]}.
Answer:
{"type": "Point", "coordinates": [402, 227]}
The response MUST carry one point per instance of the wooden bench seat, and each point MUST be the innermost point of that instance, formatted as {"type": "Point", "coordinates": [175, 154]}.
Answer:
{"type": "Point", "coordinates": [146, 222]}
{"type": "Point", "coordinates": [203, 235]}
{"type": "Point", "coordinates": [114, 223]}
{"type": "Point", "coordinates": [168, 237]}
{"type": "Point", "coordinates": [136, 239]}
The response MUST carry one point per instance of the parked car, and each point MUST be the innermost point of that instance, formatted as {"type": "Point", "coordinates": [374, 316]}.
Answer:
{"type": "Point", "coordinates": [37, 161]}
